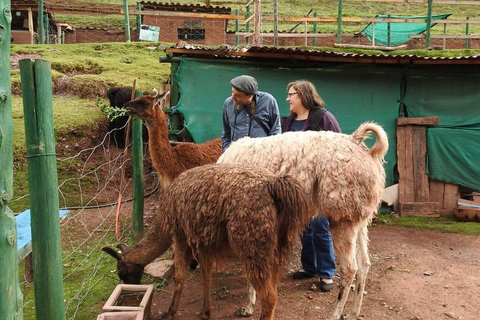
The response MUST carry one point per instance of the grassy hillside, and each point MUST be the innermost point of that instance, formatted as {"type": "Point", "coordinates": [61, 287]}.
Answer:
{"type": "Point", "coordinates": [298, 8]}
{"type": "Point", "coordinates": [80, 74]}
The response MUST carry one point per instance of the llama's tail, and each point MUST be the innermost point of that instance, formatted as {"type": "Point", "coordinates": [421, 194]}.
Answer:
{"type": "Point", "coordinates": [293, 212]}
{"type": "Point", "coordinates": [380, 148]}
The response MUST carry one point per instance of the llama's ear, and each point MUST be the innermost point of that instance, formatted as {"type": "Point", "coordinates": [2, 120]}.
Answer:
{"type": "Point", "coordinates": [160, 97]}
{"type": "Point", "coordinates": [113, 253]}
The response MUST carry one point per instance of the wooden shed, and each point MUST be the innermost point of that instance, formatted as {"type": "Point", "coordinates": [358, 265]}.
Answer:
{"type": "Point", "coordinates": [25, 22]}
{"type": "Point", "coordinates": [434, 148]}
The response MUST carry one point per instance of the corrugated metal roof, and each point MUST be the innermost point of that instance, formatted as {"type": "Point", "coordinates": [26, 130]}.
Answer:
{"type": "Point", "coordinates": [148, 5]}
{"type": "Point", "coordinates": [277, 54]}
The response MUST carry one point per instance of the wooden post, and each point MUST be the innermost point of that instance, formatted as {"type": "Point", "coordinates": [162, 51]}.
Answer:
{"type": "Point", "coordinates": [444, 36]}
{"type": "Point", "coordinates": [127, 20]}
{"type": "Point", "coordinates": [467, 32]}
{"type": "Point", "coordinates": [237, 29]}
{"type": "Point", "coordinates": [139, 20]}
{"type": "Point", "coordinates": [40, 22]}
{"type": "Point", "coordinates": [429, 23]}
{"type": "Point", "coordinates": [30, 25]}
{"type": "Point", "coordinates": [137, 164]}
{"type": "Point", "coordinates": [389, 41]}
{"type": "Point", "coordinates": [275, 23]}
{"type": "Point", "coordinates": [413, 187]}
{"type": "Point", "coordinates": [11, 301]}
{"type": "Point", "coordinates": [59, 34]}
{"type": "Point", "coordinates": [339, 22]}
{"type": "Point", "coordinates": [257, 23]}
{"type": "Point", "coordinates": [373, 33]}
{"type": "Point", "coordinates": [247, 25]}
{"type": "Point", "coordinates": [314, 39]}
{"type": "Point", "coordinates": [47, 31]}
{"type": "Point", "coordinates": [36, 81]}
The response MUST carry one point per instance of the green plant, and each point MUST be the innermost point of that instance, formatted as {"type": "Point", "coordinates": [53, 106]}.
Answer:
{"type": "Point", "coordinates": [111, 113]}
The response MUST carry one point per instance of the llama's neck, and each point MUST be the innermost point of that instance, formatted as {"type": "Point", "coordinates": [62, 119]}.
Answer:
{"type": "Point", "coordinates": [155, 243]}
{"type": "Point", "coordinates": [159, 147]}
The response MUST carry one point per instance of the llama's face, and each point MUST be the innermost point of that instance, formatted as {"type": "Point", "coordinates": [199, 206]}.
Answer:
{"type": "Point", "coordinates": [128, 272]}
{"type": "Point", "coordinates": [142, 107]}
{"type": "Point", "coordinates": [146, 107]}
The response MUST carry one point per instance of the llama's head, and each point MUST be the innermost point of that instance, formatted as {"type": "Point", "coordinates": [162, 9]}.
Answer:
{"type": "Point", "coordinates": [144, 107]}
{"type": "Point", "coordinates": [128, 272]}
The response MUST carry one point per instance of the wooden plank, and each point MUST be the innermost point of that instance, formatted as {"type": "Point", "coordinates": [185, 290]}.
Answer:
{"type": "Point", "coordinates": [437, 190]}
{"type": "Point", "coordinates": [423, 121]}
{"type": "Point", "coordinates": [467, 215]}
{"type": "Point", "coordinates": [409, 178]}
{"type": "Point", "coordinates": [468, 203]}
{"type": "Point", "coordinates": [401, 131]}
{"type": "Point", "coordinates": [423, 209]}
{"type": "Point", "coordinates": [448, 36]}
{"type": "Point", "coordinates": [187, 14]}
{"type": "Point", "coordinates": [419, 143]}
{"type": "Point", "coordinates": [476, 196]}
{"type": "Point", "coordinates": [451, 196]}
{"type": "Point", "coordinates": [362, 46]}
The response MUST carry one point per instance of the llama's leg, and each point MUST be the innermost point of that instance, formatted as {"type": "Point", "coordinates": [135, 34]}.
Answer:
{"type": "Point", "coordinates": [206, 273]}
{"type": "Point", "coordinates": [268, 298]}
{"type": "Point", "coordinates": [247, 311]}
{"type": "Point", "coordinates": [363, 261]}
{"type": "Point", "coordinates": [344, 241]}
{"type": "Point", "coordinates": [181, 266]}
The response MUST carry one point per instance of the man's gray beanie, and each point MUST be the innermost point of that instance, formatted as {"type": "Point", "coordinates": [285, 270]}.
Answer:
{"type": "Point", "coordinates": [245, 84]}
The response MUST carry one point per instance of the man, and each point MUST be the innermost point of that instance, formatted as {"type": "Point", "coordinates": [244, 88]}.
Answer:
{"type": "Point", "coordinates": [249, 112]}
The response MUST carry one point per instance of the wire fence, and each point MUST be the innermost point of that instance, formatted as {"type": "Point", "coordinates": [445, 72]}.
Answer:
{"type": "Point", "coordinates": [91, 223]}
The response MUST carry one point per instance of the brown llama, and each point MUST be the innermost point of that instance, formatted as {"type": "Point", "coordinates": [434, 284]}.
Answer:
{"type": "Point", "coordinates": [344, 181]}
{"type": "Point", "coordinates": [214, 210]}
{"type": "Point", "coordinates": [170, 161]}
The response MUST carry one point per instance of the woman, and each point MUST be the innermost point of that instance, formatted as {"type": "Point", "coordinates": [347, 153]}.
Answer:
{"type": "Point", "coordinates": [307, 112]}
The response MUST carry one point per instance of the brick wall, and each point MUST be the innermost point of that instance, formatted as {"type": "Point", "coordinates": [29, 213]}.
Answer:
{"type": "Point", "coordinates": [214, 29]}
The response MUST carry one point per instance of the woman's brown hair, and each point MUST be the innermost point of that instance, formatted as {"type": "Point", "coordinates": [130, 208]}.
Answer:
{"type": "Point", "coordinates": [307, 93]}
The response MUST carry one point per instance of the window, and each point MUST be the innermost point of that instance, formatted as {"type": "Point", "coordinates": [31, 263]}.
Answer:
{"type": "Point", "coordinates": [192, 30]}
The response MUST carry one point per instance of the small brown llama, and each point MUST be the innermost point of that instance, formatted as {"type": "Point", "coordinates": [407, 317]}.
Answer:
{"type": "Point", "coordinates": [169, 161]}
{"type": "Point", "coordinates": [214, 210]}
{"type": "Point", "coordinates": [344, 181]}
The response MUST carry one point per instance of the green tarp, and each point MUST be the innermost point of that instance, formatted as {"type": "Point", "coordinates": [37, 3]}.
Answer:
{"type": "Point", "coordinates": [399, 31]}
{"type": "Point", "coordinates": [356, 93]}
{"type": "Point", "coordinates": [204, 86]}
{"type": "Point", "coordinates": [453, 94]}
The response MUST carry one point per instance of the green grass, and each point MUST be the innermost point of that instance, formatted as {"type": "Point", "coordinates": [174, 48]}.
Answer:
{"type": "Point", "coordinates": [446, 224]}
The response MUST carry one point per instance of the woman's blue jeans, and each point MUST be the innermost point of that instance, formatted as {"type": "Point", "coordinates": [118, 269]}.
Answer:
{"type": "Point", "coordinates": [318, 258]}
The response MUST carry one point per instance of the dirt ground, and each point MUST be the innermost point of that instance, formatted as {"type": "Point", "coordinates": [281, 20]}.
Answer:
{"type": "Point", "coordinates": [424, 275]}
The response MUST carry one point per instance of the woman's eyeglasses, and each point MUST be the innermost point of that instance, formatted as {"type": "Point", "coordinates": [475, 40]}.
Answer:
{"type": "Point", "coordinates": [291, 94]}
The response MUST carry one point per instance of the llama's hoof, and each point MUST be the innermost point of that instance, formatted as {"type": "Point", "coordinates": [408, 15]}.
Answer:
{"type": "Point", "coordinates": [242, 312]}
{"type": "Point", "coordinates": [203, 315]}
